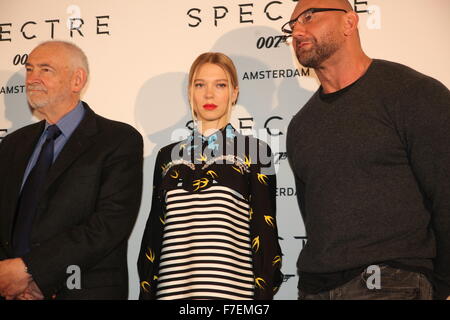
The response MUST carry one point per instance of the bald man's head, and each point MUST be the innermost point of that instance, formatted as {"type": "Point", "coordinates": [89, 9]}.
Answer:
{"type": "Point", "coordinates": [76, 58]}
{"type": "Point", "coordinates": [319, 35]}
{"type": "Point", "coordinates": [338, 4]}
{"type": "Point", "coordinates": [56, 74]}
{"type": "Point", "coordinates": [303, 5]}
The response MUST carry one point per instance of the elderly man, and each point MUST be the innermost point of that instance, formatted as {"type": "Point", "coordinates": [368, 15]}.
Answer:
{"type": "Point", "coordinates": [370, 153]}
{"type": "Point", "coordinates": [70, 189]}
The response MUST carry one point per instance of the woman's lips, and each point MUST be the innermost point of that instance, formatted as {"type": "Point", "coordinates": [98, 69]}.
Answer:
{"type": "Point", "coordinates": [209, 106]}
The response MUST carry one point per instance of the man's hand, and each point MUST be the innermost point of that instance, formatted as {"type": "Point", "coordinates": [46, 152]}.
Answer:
{"type": "Point", "coordinates": [14, 278]}
{"type": "Point", "coordinates": [32, 292]}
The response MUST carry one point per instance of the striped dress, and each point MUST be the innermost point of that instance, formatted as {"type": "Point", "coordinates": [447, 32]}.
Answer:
{"type": "Point", "coordinates": [211, 232]}
{"type": "Point", "coordinates": [206, 252]}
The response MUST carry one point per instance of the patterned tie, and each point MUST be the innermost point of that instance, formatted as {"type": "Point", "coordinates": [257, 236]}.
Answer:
{"type": "Point", "coordinates": [27, 206]}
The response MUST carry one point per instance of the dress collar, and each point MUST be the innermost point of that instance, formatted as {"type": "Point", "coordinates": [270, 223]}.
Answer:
{"type": "Point", "coordinates": [198, 141]}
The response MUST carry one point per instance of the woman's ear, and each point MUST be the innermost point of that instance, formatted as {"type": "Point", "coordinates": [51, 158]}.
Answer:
{"type": "Point", "coordinates": [234, 95]}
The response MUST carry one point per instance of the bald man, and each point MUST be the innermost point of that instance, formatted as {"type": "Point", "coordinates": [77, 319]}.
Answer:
{"type": "Point", "coordinates": [370, 153]}
{"type": "Point", "coordinates": [70, 189]}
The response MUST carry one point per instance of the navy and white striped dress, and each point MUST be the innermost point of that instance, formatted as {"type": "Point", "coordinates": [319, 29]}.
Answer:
{"type": "Point", "coordinates": [211, 232]}
{"type": "Point", "coordinates": [206, 252]}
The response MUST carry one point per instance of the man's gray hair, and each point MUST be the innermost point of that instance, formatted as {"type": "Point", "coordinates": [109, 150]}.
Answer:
{"type": "Point", "coordinates": [81, 60]}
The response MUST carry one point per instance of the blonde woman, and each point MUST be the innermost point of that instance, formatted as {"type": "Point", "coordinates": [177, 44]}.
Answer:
{"type": "Point", "coordinates": [211, 232]}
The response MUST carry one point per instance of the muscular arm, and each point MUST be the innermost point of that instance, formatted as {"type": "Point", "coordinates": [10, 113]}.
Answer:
{"type": "Point", "coordinates": [427, 128]}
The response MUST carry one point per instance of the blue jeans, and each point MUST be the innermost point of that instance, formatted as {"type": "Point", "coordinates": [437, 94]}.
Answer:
{"type": "Point", "coordinates": [392, 284]}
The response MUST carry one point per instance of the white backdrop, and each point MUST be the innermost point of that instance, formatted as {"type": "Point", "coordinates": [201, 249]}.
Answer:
{"type": "Point", "coordinates": [140, 52]}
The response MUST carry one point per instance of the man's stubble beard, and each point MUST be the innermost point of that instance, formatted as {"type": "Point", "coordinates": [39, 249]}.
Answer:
{"type": "Point", "coordinates": [37, 104]}
{"type": "Point", "coordinates": [318, 53]}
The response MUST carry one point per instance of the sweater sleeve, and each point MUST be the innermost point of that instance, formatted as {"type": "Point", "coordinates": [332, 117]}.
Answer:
{"type": "Point", "coordinates": [147, 256]}
{"type": "Point", "coordinates": [266, 249]}
{"type": "Point", "coordinates": [427, 133]}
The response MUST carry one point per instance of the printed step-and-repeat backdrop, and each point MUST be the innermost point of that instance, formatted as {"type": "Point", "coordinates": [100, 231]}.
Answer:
{"type": "Point", "coordinates": [140, 52]}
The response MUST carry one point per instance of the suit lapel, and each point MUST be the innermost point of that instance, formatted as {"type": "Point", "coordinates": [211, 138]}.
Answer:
{"type": "Point", "coordinates": [21, 158]}
{"type": "Point", "coordinates": [79, 141]}
{"type": "Point", "coordinates": [23, 154]}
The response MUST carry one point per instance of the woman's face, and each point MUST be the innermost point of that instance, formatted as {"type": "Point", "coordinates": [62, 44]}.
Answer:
{"type": "Point", "coordinates": [211, 95]}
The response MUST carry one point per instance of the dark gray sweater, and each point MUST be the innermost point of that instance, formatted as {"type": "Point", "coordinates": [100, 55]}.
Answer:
{"type": "Point", "coordinates": [372, 169]}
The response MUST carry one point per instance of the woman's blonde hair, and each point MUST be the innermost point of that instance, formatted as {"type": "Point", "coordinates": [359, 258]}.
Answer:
{"type": "Point", "coordinates": [222, 61]}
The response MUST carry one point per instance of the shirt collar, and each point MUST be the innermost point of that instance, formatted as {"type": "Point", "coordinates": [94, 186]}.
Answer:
{"type": "Point", "coordinates": [226, 129]}
{"type": "Point", "coordinates": [70, 121]}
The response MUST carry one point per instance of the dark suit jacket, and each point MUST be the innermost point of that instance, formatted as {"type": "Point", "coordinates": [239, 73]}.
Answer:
{"type": "Point", "coordinates": [87, 207]}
